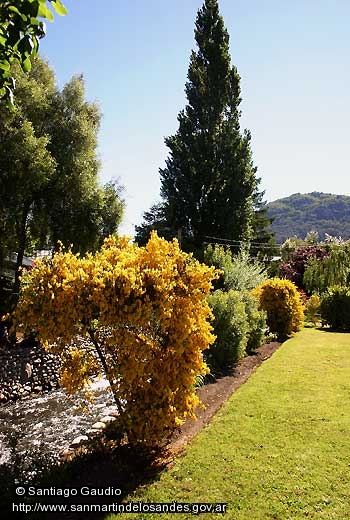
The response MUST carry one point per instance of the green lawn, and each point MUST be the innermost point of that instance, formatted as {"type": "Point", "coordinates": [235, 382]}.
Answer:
{"type": "Point", "coordinates": [279, 448]}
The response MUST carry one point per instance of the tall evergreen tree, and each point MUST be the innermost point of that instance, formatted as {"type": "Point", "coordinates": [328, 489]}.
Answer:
{"type": "Point", "coordinates": [209, 185]}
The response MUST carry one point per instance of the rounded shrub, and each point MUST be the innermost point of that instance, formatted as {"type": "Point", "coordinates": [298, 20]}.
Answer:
{"type": "Point", "coordinates": [335, 307]}
{"type": "Point", "coordinates": [282, 303]}
{"type": "Point", "coordinates": [230, 327]}
{"type": "Point", "coordinates": [257, 326]}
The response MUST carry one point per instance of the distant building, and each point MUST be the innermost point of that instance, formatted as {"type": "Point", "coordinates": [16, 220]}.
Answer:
{"type": "Point", "coordinates": [8, 268]}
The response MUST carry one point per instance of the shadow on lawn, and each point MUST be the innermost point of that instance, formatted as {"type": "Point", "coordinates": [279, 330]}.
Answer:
{"type": "Point", "coordinates": [103, 468]}
{"type": "Point", "coordinates": [327, 329]}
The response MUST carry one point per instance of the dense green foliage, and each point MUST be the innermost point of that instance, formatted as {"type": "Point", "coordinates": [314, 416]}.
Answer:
{"type": "Point", "coordinates": [239, 271]}
{"type": "Point", "coordinates": [299, 213]}
{"type": "Point", "coordinates": [257, 325]}
{"type": "Point", "coordinates": [209, 185]}
{"type": "Point", "coordinates": [20, 31]}
{"type": "Point", "coordinates": [230, 327]}
{"type": "Point", "coordinates": [335, 307]}
{"type": "Point", "coordinates": [154, 220]}
{"type": "Point", "coordinates": [314, 266]}
{"type": "Point", "coordinates": [239, 327]}
{"type": "Point", "coordinates": [49, 186]}
{"type": "Point", "coordinates": [282, 303]}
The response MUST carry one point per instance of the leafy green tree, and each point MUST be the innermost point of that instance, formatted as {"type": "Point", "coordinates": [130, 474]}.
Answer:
{"type": "Point", "coordinates": [263, 241]}
{"type": "Point", "coordinates": [20, 32]}
{"type": "Point", "coordinates": [209, 184]}
{"type": "Point", "coordinates": [26, 164]}
{"type": "Point", "coordinates": [49, 167]}
{"type": "Point", "coordinates": [74, 199]}
{"type": "Point", "coordinates": [112, 209]}
{"type": "Point", "coordinates": [26, 167]}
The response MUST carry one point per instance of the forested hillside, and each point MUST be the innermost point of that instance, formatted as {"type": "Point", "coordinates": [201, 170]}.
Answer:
{"type": "Point", "coordinates": [301, 213]}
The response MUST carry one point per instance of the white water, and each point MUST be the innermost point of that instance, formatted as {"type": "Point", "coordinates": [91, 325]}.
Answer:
{"type": "Point", "coordinates": [50, 422]}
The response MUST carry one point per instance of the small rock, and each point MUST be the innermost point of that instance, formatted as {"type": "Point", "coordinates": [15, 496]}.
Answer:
{"type": "Point", "coordinates": [92, 432]}
{"type": "Point", "coordinates": [107, 419]}
{"type": "Point", "coordinates": [98, 425]}
{"type": "Point", "coordinates": [113, 413]}
{"type": "Point", "coordinates": [28, 370]}
{"type": "Point", "coordinates": [78, 441]}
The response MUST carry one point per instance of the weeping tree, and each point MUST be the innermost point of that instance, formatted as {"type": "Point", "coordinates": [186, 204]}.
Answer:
{"type": "Point", "coordinates": [209, 185]}
{"type": "Point", "coordinates": [333, 269]}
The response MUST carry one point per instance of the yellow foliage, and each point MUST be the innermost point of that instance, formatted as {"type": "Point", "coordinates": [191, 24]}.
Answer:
{"type": "Point", "coordinates": [145, 313]}
{"type": "Point", "coordinates": [282, 303]}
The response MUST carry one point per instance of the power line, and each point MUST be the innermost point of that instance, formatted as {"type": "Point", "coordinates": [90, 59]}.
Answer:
{"type": "Point", "coordinates": [241, 242]}
{"type": "Point", "coordinates": [257, 246]}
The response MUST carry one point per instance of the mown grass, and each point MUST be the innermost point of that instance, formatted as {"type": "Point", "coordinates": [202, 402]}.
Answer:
{"type": "Point", "coordinates": [279, 448]}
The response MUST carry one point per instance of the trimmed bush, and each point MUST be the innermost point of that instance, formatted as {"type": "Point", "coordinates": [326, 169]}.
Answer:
{"type": "Point", "coordinates": [257, 326]}
{"type": "Point", "coordinates": [335, 307]}
{"type": "Point", "coordinates": [239, 327]}
{"type": "Point", "coordinates": [230, 327]}
{"type": "Point", "coordinates": [282, 303]}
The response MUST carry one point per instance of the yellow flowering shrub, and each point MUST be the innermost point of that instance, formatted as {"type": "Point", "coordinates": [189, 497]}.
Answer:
{"type": "Point", "coordinates": [283, 305]}
{"type": "Point", "coordinates": [138, 315]}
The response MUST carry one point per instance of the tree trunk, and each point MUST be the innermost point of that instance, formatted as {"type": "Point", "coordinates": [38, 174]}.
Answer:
{"type": "Point", "coordinates": [106, 370]}
{"type": "Point", "coordinates": [22, 242]}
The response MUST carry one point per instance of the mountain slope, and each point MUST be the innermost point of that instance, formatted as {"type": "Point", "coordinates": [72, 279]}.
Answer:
{"type": "Point", "coordinates": [301, 213]}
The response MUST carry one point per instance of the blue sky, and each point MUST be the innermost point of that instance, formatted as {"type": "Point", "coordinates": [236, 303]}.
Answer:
{"type": "Point", "coordinates": [293, 59]}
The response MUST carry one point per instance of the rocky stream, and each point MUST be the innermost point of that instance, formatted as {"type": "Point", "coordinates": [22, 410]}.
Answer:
{"type": "Point", "coordinates": [35, 413]}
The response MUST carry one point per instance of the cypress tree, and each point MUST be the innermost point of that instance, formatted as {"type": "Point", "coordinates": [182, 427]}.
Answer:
{"type": "Point", "coordinates": [209, 183]}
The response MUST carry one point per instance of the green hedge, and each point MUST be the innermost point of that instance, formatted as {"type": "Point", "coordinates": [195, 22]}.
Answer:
{"type": "Point", "coordinates": [335, 307]}
{"type": "Point", "coordinates": [238, 325]}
